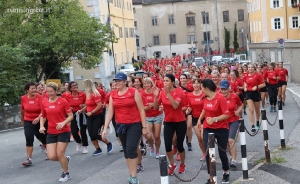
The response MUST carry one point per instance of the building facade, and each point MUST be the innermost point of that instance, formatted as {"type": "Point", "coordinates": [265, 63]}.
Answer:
{"type": "Point", "coordinates": [171, 27]}
{"type": "Point", "coordinates": [271, 22]}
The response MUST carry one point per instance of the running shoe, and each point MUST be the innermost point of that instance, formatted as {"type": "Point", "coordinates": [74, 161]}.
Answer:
{"type": "Point", "coordinates": [144, 151]}
{"type": "Point", "coordinates": [85, 150]}
{"type": "Point", "coordinates": [152, 152]}
{"type": "Point", "coordinates": [121, 149]}
{"type": "Point", "coordinates": [190, 148]}
{"type": "Point", "coordinates": [110, 147]}
{"type": "Point", "coordinates": [253, 129]}
{"type": "Point", "coordinates": [178, 157]}
{"type": "Point", "coordinates": [140, 168]}
{"type": "Point", "coordinates": [174, 150]}
{"type": "Point", "coordinates": [97, 152]}
{"type": "Point", "coordinates": [181, 169]}
{"type": "Point", "coordinates": [42, 147]}
{"type": "Point", "coordinates": [157, 155]}
{"type": "Point", "coordinates": [69, 159]}
{"type": "Point", "coordinates": [225, 178]}
{"type": "Point", "coordinates": [28, 162]}
{"type": "Point", "coordinates": [274, 109]}
{"type": "Point", "coordinates": [171, 169]}
{"type": "Point", "coordinates": [133, 180]}
{"type": "Point", "coordinates": [203, 157]}
{"type": "Point", "coordinates": [64, 177]}
{"type": "Point", "coordinates": [271, 109]}
{"type": "Point", "coordinates": [78, 147]}
{"type": "Point", "coordinates": [232, 163]}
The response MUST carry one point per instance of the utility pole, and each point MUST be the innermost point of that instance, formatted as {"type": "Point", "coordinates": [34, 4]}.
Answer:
{"type": "Point", "coordinates": [217, 16]}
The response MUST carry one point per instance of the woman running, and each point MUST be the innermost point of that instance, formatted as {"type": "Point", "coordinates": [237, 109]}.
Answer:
{"type": "Point", "coordinates": [263, 90]}
{"type": "Point", "coordinates": [154, 119]}
{"type": "Point", "coordinates": [195, 104]}
{"type": "Point", "coordinates": [272, 79]}
{"type": "Point", "coordinates": [94, 115]}
{"type": "Point", "coordinates": [30, 118]}
{"type": "Point", "coordinates": [66, 90]}
{"type": "Point", "coordinates": [235, 106]}
{"type": "Point", "coordinates": [77, 100]}
{"type": "Point", "coordinates": [59, 114]}
{"type": "Point", "coordinates": [215, 114]}
{"type": "Point", "coordinates": [174, 121]}
{"type": "Point", "coordinates": [127, 106]}
{"type": "Point", "coordinates": [284, 75]}
{"type": "Point", "coordinates": [253, 83]}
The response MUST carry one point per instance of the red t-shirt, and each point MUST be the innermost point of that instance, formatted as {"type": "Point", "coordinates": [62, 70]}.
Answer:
{"type": "Point", "coordinates": [270, 75]}
{"type": "Point", "coordinates": [64, 94]}
{"type": "Point", "coordinates": [102, 93]}
{"type": "Point", "coordinates": [171, 114]}
{"type": "Point", "coordinates": [106, 101]}
{"type": "Point", "coordinates": [253, 80]}
{"type": "Point", "coordinates": [91, 103]}
{"type": "Point", "coordinates": [76, 101]}
{"type": "Point", "coordinates": [56, 112]}
{"type": "Point", "coordinates": [233, 101]}
{"type": "Point", "coordinates": [196, 103]}
{"type": "Point", "coordinates": [282, 74]}
{"type": "Point", "coordinates": [237, 83]}
{"type": "Point", "coordinates": [214, 108]}
{"type": "Point", "coordinates": [31, 106]}
{"type": "Point", "coordinates": [125, 108]}
{"type": "Point", "coordinates": [149, 97]}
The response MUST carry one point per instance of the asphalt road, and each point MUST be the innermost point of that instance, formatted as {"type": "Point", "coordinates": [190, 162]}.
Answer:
{"type": "Point", "coordinates": [111, 169]}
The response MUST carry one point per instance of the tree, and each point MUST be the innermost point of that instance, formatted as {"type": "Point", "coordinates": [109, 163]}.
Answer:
{"type": "Point", "coordinates": [54, 34]}
{"type": "Point", "coordinates": [235, 38]}
{"type": "Point", "coordinates": [227, 40]}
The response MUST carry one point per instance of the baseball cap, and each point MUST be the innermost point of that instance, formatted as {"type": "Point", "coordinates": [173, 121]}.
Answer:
{"type": "Point", "coordinates": [120, 76]}
{"type": "Point", "coordinates": [224, 84]}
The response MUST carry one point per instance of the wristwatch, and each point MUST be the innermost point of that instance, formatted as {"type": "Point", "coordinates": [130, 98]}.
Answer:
{"type": "Point", "coordinates": [216, 119]}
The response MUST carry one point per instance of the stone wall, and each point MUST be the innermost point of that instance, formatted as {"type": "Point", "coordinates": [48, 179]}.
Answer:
{"type": "Point", "coordinates": [10, 117]}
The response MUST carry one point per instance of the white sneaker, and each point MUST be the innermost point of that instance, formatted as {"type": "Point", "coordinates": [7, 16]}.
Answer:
{"type": "Point", "coordinates": [78, 147]}
{"type": "Point", "coordinates": [85, 150]}
{"type": "Point", "coordinates": [64, 177]}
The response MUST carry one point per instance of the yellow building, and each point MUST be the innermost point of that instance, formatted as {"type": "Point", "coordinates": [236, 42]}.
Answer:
{"type": "Point", "coordinates": [273, 19]}
{"type": "Point", "coordinates": [122, 23]}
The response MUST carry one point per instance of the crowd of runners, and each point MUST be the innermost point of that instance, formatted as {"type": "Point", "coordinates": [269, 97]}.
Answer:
{"type": "Point", "coordinates": [172, 94]}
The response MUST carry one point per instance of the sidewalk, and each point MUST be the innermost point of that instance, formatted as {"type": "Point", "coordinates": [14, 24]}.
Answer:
{"type": "Point", "coordinates": [287, 169]}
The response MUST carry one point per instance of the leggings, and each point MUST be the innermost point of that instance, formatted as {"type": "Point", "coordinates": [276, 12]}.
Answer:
{"type": "Point", "coordinates": [39, 136]}
{"type": "Point", "coordinates": [221, 135]}
{"type": "Point", "coordinates": [29, 131]}
{"type": "Point", "coordinates": [113, 120]}
{"type": "Point", "coordinates": [169, 129]}
{"type": "Point", "coordinates": [74, 129]}
{"type": "Point", "coordinates": [94, 125]}
{"type": "Point", "coordinates": [273, 92]}
{"type": "Point", "coordinates": [130, 135]}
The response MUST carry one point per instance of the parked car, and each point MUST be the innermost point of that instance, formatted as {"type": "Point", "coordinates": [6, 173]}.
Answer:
{"type": "Point", "coordinates": [138, 73]}
{"type": "Point", "coordinates": [198, 61]}
{"type": "Point", "coordinates": [127, 68]}
{"type": "Point", "coordinates": [229, 60]}
{"type": "Point", "coordinates": [216, 59]}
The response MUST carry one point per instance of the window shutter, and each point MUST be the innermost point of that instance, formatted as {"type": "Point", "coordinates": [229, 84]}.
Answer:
{"type": "Point", "coordinates": [281, 23]}
{"type": "Point", "coordinates": [251, 27]}
{"type": "Point", "coordinates": [290, 22]}
{"type": "Point", "coordinates": [280, 3]}
{"type": "Point", "coordinates": [272, 23]}
{"type": "Point", "coordinates": [258, 5]}
{"type": "Point", "coordinates": [299, 21]}
{"type": "Point", "coordinates": [289, 3]}
{"type": "Point", "coordinates": [271, 3]}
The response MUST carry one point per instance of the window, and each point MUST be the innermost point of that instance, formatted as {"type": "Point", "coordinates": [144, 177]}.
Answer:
{"type": "Point", "coordinates": [241, 15]}
{"type": "Point", "coordinates": [191, 38]}
{"type": "Point", "coordinates": [111, 1]}
{"type": "Point", "coordinates": [225, 16]}
{"type": "Point", "coordinates": [259, 26]}
{"type": "Point", "coordinates": [190, 21]}
{"type": "Point", "coordinates": [135, 25]}
{"type": "Point", "coordinates": [171, 19]}
{"type": "Point", "coordinates": [275, 3]}
{"type": "Point", "coordinates": [120, 32]}
{"type": "Point", "coordinates": [89, 3]}
{"type": "Point", "coordinates": [205, 18]}
{"type": "Point", "coordinates": [206, 36]}
{"type": "Point", "coordinates": [131, 32]}
{"type": "Point", "coordinates": [277, 23]}
{"type": "Point", "coordinates": [172, 38]}
{"type": "Point", "coordinates": [156, 40]}
{"type": "Point", "coordinates": [293, 3]}
{"type": "Point", "coordinates": [137, 41]}
{"type": "Point", "coordinates": [294, 22]}
{"type": "Point", "coordinates": [126, 32]}
{"type": "Point", "coordinates": [154, 20]}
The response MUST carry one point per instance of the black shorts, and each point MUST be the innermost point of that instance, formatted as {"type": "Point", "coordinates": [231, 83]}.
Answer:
{"type": "Point", "coordinates": [54, 138]}
{"type": "Point", "coordinates": [195, 121]}
{"type": "Point", "coordinates": [253, 95]}
{"type": "Point", "coordinates": [242, 97]}
{"type": "Point", "coordinates": [282, 83]}
{"type": "Point", "coordinates": [264, 89]}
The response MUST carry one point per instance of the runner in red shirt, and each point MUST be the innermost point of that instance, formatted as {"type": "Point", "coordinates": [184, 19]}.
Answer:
{"type": "Point", "coordinates": [175, 120]}
{"type": "Point", "coordinates": [235, 106]}
{"type": "Point", "coordinates": [76, 99]}
{"type": "Point", "coordinates": [40, 89]}
{"type": "Point", "coordinates": [56, 109]}
{"type": "Point", "coordinates": [215, 114]}
{"type": "Point", "coordinates": [30, 117]}
{"type": "Point", "coordinates": [138, 84]}
{"type": "Point", "coordinates": [253, 83]}
{"type": "Point", "coordinates": [127, 105]}
{"type": "Point", "coordinates": [272, 79]}
{"type": "Point", "coordinates": [263, 90]}
{"type": "Point", "coordinates": [284, 75]}
{"type": "Point", "coordinates": [215, 77]}
{"type": "Point", "coordinates": [195, 104]}
{"type": "Point", "coordinates": [66, 90]}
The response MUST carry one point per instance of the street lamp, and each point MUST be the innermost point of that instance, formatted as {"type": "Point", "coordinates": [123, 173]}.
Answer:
{"type": "Point", "coordinates": [242, 31]}
{"type": "Point", "coordinates": [205, 18]}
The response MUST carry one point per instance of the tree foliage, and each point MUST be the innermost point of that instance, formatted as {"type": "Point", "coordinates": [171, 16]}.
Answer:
{"type": "Point", "coordinates": [227, 40]}
{"type": "Point", "coordinates": [235, 38]}
{"type": "Point", "coordinates": [53, 34]}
